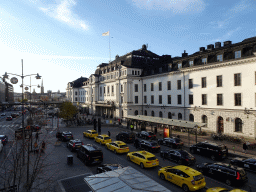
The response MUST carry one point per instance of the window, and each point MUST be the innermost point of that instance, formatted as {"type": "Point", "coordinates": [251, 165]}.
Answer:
{"type": "Point", "coordinates": [136, 112]}
{"type": "Point", "coordinates": [152, 99]}
{"type": "Point", "coordinates": [136, 88]}
{"type": "Point", "coordinates": [152, 86]}
{"type": "Point", "coordinates": [191, 117]}
{"type": "Point", "coordinates": [100, 91]}
{"type": "Point", "coordinates": [169, 97]}
{"type": "Point", "coordinates": [152, 113]}
{"type": "Point", "coordinates": [145, 87]}
{"type": "Point", "coordinates": [160, 114]}
{"type": "Point", "coordinates": [160, 86]}
{"type": "Point", "coordinates": [204, 60]}
{"type": "Point", "coordinates": [160, 99]}
{"type": "Point", "coordinates": [145, 99]}
{"type": "Point", "coordinates": [138, 72]}
{"type": "Point", "coordinates": [219, 81]}
{"type": "Point", "coordinates": [203, 82]}
{"type": "Point", "coordinates": [108, 89]}
{"type": "Point", "coordinates": [204, 99]}
{"type": "Point", "coordinates": [152, 72]}
{"type": "Point", "coordinates": [75, 93]}
{"type": "Point", "coordinates": [237, 99]}
{"type": "Point", "coordinates": [179, 99]}
{"type": "Point", "coordinates": [136, 99]}
{"type": "Point", "coordinates": [179, 116]}
{"type": "Point", "coordinates": [145, 113]}
{"type": "Point", "coordinates": [112, 89]}
{"type": "Point", "coordinates": [132, 72]}
{"type": "Point", "coordinates": [169, 83]}
{"type": "Point", "coordinates": [104, 90]}
{"type": "Point", "coordinates": [191, 63]}
{"type": "Point", "coordinates": [219, 99]}
{"type": "Point", "coordinates": [190, 83]}
{"type": "Point", "coordinates": [178, 84]}
{"type": "Point", "coordinates": [122, 99]}
{"type": "Point", "coordinates": [190, 99]}
{"type": "Point", "coordinates": [237, 54]}
{"type": "Point", "coordinates": [121, 88]}
{"type": "Point", "coordinates": [169, 115]}
{"type": "Point", "coordinates": [179, 65]}
{"type": "Point", "coordinates": [135, 72]}
{"type": "Point", "coordinates": [160, 70]}
{"type": "Point", "coordinates": [219, 58]}
{"type": "Point", "coordinates": [238, 125]}
{"type": "Point", "coordinates": [237, 79]}
{"type": "Point", "coordinates": [204, 119]}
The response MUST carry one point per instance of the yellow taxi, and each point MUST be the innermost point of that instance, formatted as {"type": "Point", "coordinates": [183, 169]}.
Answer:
{"type": "Point", "coordinates": [187, 178]}
{"type": "Point", "coordinates": [103, 139]}
{"type": "Point", "coordinates": [118, 147]}
{"type": "Point", "coordinates": [143, 158]}
{"type": "Point", "coordinates": [90, 133]}
{"type": "Point", "coordinates": [220, 189]}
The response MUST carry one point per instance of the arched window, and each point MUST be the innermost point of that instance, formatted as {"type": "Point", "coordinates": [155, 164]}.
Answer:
{"type": "Point", "coordinates": [204, 119]}
{"type": "Point", "coordinates": [152, 113]}
{"type": "Point", "coordinates": [136, 112]}
{"type": "Point", "coordinates": [169, 115]}
{"type": "Point", "coordinates": [179, 116]}
{"type": "Point", "coordinates": [191, 117]}
{"type": "Point", "coordinates": [160, 114]}
{"type": "Point", "coordinates": [145, 113]}
{"type": "Point", "coordinates": [238, 125]}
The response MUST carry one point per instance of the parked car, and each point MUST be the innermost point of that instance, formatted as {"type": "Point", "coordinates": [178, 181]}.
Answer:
{"type": "Point", "coordinates": [146, 135]}
{"type": "Point", "coordinates": [90, 154]}
{"type": "Point", "coordinates": [173, 142]}
{"type": "Point", "coordinates": [74, 145]}
{"type": "Point", "coordinates": [224, 172]}
{"type": "Point", "coordinates": [246, 163]}
{"type": "Point", "coordinates": [220, 189]}
{"type": "Point", "coordinates": [127, 137]}
{"type": "Point", "coordinates": [150, 146]}
{"type": "Point", "coordinates": [3, 114]}
{"type": "Point", "coordinates": [143, 158]}
{"type": "Point", "coordinates": [118, 147]}
{"type": "Point", "coordinates": [4, 139]}
{"type": "Point", "coordinates": [212, 150]}
{"type": "Point", "coordinates": [180, 156]}
{"type": "Point", "coordinates": [108, 167]}
{"type": "Point", "coordinates": [14, 115]}
{"type": "Point", "coordinates": [8, 118]}
{"type": "Point", "coordinates": [186, 177]}
{"type": "Point", "coordinates": [64, 136]}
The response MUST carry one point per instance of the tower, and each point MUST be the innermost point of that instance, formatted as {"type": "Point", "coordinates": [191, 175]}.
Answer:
{"type": "Point", "coordinates": [42, 87]}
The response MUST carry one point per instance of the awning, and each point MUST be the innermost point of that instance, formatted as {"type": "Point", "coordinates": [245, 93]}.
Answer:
{"type": "Point", "coordinates": [103, 105]}
{"type": "Point", "coordinates": [165, 121]}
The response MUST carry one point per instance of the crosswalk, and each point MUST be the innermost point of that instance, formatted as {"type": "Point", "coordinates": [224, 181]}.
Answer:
{"type": "Point", "coordinates": [11, 126]}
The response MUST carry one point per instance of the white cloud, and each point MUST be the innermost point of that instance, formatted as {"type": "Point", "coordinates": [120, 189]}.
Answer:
{"type": "Point", "coordinates": [176, 6]}
{"type": "Point", "coordinates": [227, 35]}
{"type": "Point", "coordinates": [63, 12]}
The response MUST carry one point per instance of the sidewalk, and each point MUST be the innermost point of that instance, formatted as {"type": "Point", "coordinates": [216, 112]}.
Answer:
{"type": "Point", "coordinates": [235, 149]}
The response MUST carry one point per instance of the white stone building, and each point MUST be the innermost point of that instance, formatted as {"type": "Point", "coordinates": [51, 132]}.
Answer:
{"type": "Point", "coordinates": [216, 86]}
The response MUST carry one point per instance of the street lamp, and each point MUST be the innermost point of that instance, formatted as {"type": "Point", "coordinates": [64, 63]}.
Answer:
{"type": "Point", "coordinates": [14, 81]}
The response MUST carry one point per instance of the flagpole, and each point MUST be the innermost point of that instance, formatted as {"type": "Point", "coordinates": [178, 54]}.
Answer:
{"type": "Point", "coordinates": [109, 49]}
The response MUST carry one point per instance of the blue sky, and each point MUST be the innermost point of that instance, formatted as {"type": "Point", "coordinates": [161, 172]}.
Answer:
{"type": "Point", "coordinates": [62, 39]}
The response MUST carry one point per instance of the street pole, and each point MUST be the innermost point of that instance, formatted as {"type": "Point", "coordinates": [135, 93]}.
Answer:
{"type": "Point", "coordinates": [23, 128]}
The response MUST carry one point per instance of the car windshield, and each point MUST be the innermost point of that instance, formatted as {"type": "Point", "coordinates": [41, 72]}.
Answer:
{"type": "Point", "coordinates": [123, 146]}
{"type": "Point", "coordinates": [93, 132]}
{"type": "Point", "coordinates": [151, 158]}
{"type": "Point", "coordinates": [186, 154]}
{"type": "Point", "coordinates": [69, 135]}
{"type": "Point", "coordinates": [106, 138]}
{"type": "Point", "coordinates": [198, 177]}
{"type": "Point", "coordinates": [78, 143]}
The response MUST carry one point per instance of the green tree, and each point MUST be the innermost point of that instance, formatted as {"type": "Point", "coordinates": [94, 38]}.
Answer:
{"type": "Point", "coordinates": [67, 110]}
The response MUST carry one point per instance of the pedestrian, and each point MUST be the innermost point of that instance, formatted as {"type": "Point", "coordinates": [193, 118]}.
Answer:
{"type": "Point", "coordinates": [37, 135]}
{"type": "Point", "coordinates": [245, 147]}
{"type": "Point", "coordinates": [109, 133]}
{"type": "Point", "coordinates": [132, 127]}
{"type": "Point", "coordinates": [43, 147]}
{"type": "Point", "coordinates": [35, 147]}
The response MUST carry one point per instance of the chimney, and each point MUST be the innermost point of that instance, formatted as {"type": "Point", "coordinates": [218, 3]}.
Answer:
{"type": "Point", "coordinates": [227, 43]}
{"type": "Point", "coordinates": [210, 47]}
{"type": "Point", "coordinates": [202, 49]}
{"type": "Point", "coordinates": [184, 54]}
{"type": "Point", "coordinates": [218, 45]}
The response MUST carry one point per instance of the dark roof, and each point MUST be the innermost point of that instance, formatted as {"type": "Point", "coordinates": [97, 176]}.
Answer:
{"type": "Point", "coordinates": [78, 82]}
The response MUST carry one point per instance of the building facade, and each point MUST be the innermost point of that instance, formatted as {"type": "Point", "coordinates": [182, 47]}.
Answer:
{"type": "Point", "coordinates": [216, 85]}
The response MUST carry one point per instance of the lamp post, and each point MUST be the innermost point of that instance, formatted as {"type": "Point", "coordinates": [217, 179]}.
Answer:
{"type": "Point", "coordinates": [14, 81]}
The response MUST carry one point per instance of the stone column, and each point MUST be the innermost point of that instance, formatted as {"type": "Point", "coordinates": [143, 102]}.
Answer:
{"type": "Point", "coordinates": [125, 92]}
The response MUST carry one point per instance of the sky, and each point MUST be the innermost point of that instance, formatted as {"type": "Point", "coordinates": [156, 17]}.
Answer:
{"type": "Point", "coordinates": [62, 39]}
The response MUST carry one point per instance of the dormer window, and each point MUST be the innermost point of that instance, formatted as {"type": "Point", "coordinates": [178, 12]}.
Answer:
{"type": "Point", "coordinates": [204, 60]}
{"type": "Point", "coordinates": [237, 54]}
{"type": "Point", "coordinates": [132, 72]}
{"type": "Point", "coordinates": [191, 63]}
{"type": "Point", "coordinates": [160, 70]}
{"type": "Point", "coordinates": [219, 57]}
{"type": "Point", "coordinates": [152, 71]}
{"type": "Point", "coordinates": [138, 72]}
{"type": "Point", "coordinates": [135, 72]}
{"type": "Point", "coordinates": [170, 67]}
{"type": "Point", "coordinates": [179, 65]}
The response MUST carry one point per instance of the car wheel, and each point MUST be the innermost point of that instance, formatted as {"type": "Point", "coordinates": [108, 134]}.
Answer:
{"type": "Point", "coordinates": [193, 151]}
{"type": "Point", "coordinates": [128, 158]}
{"type": "Point", "coordinates": [228, 182]}
{"type": "Point", "coordinates": [185, 187]}
{"type": "Point", "coordinates": [213, 157]}
{"type": "Point", "coordinates": [162, 176]}
{"type": "Point", "coordinates": [179, 162]}
{"type": "Point", "coordinates": [142, 165]}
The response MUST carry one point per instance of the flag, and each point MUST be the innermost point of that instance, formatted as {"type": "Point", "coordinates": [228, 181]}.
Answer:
{"type": "Point", "coordinates": [105, 34]}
